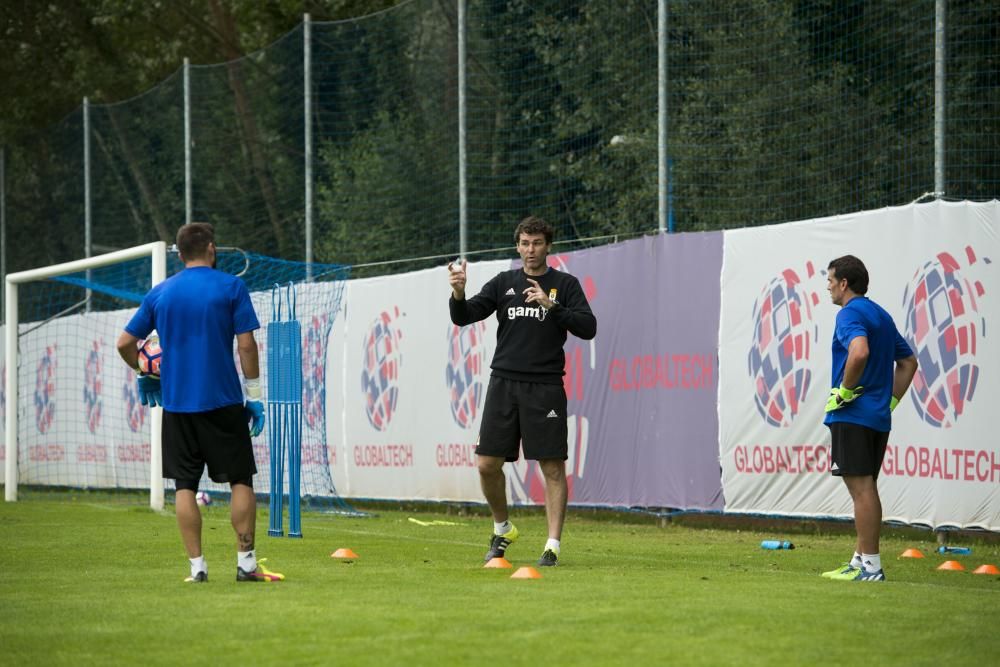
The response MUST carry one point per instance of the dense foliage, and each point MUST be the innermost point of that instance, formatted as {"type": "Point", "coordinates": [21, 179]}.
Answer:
{"type": "Point", "coordinates": [777, 110]}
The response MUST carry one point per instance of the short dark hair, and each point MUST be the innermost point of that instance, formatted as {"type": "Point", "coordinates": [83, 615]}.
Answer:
{"type": "Point", "coordinates": [853, 270]}
{"type": "Point", "coordinates": [193, 240]}
{"type": "Point", "coordinates": [533, 225]}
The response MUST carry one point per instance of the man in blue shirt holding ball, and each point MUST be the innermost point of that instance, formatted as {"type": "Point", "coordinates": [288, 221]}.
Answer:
{"type": "Point", "coordinates": [197, 313]}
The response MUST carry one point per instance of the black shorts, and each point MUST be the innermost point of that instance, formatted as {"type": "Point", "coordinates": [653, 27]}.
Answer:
{"type": "Point", "coordinates": [218, 438]}
{"type": "Point", "coordinates": [529, 414]}
{"type": "Point", "coordinates": [856, 449]}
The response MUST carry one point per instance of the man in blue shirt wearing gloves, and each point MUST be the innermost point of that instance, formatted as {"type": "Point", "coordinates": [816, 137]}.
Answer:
{"type": "Point", "coordinates": [872, 369]}
{"type": "Point", "coordinates": [196, 314]}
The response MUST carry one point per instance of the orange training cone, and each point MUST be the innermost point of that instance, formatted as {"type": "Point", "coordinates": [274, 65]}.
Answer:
{"type": "Point", "coordinates": [500, 562]}
{"type": "Point", "coordinates": [951, 565]}
{"type": "Point", "coordinates": [986, 569]}
{"type": "Point", "coordinates": [526, 573]}
{"type": "Point", "coordinates": [912, 553]}
{"type": "Point", "coordinates": [346, 554]}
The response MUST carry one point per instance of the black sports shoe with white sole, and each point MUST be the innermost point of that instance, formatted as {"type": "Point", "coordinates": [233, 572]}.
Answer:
{"type": "Point", "coordinates": [548, 559]}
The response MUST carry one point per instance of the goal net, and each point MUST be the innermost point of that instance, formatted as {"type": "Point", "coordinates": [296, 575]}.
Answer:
{"type": "Point", "coordinates": [72, 415]}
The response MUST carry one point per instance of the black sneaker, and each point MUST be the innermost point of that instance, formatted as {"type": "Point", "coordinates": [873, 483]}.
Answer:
{"type": "Point", "coordinates": [548, 559]}
{"type": "Point", "coordinates": [259, 574]}
{"type": "Point", "coordinates": [243, 575]}
{"type": "Point", "coordinates": [499, 544]}
{"type": "Point", "coordinates": [199, 578]}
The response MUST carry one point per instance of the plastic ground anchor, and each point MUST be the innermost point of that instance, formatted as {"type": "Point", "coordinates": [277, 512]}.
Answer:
{"type": "Point", "coordinates": [275, 533]}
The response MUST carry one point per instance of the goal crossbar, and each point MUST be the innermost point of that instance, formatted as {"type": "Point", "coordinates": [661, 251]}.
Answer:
{"type": "Point", "coordinates": [157, 252]}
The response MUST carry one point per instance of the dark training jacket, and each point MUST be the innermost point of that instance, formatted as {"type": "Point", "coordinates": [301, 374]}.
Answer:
{"type": "Point", "coordinates": [530, 339]}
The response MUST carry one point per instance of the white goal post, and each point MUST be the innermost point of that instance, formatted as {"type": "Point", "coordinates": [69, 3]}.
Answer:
{"type": "Point", "coordinates": [157, 252]}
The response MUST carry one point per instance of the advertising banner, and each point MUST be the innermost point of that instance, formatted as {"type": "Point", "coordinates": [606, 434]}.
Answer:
{"type": "Point", "coordinates": [933, 268]}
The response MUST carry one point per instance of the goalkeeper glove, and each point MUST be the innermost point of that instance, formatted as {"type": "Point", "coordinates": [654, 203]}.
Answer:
{"type": "Point", "coordinates": [149, 390]}
{"type": "Point", "coordinates": [893, 402]}
{"type": "Point", "coordinates": [254, 407]}
{"type": "Point", "coordinates": [842, 396]}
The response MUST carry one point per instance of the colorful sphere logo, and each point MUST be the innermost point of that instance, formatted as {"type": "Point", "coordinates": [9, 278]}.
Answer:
{"type": "Point", "coordinates": [942, 315]}
{"type": "Point", "coordinates": [784, 333]}
{"type": "Point", "coordinates": [380, 372]}
{"type": "Point", "coordinates": [314, 372]}
{"type": "Point", "coordinates": [45, 390]}
{"type": "Point", "coordinates": [135, 411]}
{"type": "Point", "coordinates": [464, 372]}
{"type": "Point", "coordinates": [92, 384]}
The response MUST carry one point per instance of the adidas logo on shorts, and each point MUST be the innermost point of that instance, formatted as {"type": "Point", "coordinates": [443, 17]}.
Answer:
{"type": "Point", "coordinates": [552, 414]}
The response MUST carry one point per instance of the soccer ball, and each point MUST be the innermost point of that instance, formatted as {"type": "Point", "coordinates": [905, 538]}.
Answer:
{"type": "Point", "coordinates": [150, 356]}
{"type": "Point", "coordinates": [202, 498]}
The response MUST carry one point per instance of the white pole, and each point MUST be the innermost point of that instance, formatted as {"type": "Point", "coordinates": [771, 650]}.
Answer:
{"type": "Point", "coordinates": [10, 400]}
{"type": "Point", "coordinates": [463, 203]}
{"type": "Point", "coordinates": [940, 24]}
{"type": "Point", "coordinates": [307, 118]}
{"type": "Point", "coordinates": [159, 258]}
{"type": "Point", "coordinates": [661, 131]}
{"type": "Point", "coordinates": [187, 141]}
{"type": "Point", "coordinates": [3, 222]}
{"type": "Point", "coordinates": [158, 252]}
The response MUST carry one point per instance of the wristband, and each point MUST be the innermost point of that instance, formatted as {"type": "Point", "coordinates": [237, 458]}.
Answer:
{"type": "Point", "coordinates": [252, 388]}
{"type": "Point", "coordinates": [893, 402]}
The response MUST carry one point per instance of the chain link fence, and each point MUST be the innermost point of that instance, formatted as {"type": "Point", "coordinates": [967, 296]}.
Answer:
{"type": "Point", "coordinates": [774, 110]}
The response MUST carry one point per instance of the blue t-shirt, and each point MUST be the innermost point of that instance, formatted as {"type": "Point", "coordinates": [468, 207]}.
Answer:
{"type": "Point", "coordinates": [196, 314]}
{"type": "Point", "coordinates": [863, 317]}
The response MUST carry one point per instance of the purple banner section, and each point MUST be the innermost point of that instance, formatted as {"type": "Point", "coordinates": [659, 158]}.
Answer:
{"type": "Point", "coordinates": [643, 422]}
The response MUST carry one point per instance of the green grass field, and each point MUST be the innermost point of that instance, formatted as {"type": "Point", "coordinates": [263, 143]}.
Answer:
{"type": "Point", "coordinates": [87, 583]}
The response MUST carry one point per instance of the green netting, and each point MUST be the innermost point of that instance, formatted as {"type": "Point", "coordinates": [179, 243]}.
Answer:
{"type": "Point", "coordinates": [386, 135]}
{"type": "Point", "coordinates": [80, 423]}
{"type": "Point", "coordinates": [247, 149]}
{"type": "Point", "coordinates": [776, 110]}
{"type": "Point", "coordinates": [137, 167]}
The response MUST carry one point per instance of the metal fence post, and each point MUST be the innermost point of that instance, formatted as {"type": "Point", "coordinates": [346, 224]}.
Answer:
{"type": "Point", "coordinates": [187, 141]}
{"type": "Point", "coordinates": [307, 138]}
{"type": "Point", "coordinates": [463, 200]}
{"type": "Point", "coordinates": [663, 214]}
{"type": "Point", "coordinates": [940, 24]}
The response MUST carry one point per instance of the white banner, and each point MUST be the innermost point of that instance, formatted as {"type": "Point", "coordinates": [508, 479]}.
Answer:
{"type": "Point", "coordinates": [81, 423]}
{"type": "Point", "coordinates": [404, 419]}
{"type": "Point", "coordinates": [934, 268]}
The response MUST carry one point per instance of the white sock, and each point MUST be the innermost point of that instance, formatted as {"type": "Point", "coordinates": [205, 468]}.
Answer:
{"type": "Point", "coordinates": [856, 560]}
{"type": "Point", "coordinates": [502, 528]}
{"type": "Point", "coordinates": [246, 560]}
{"type": "Point", "coordinates": [553, 545]}
{"type": "Point", "coordinates": [198, 565]}
{"type": "Point", "coordinates": [872, 562]}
